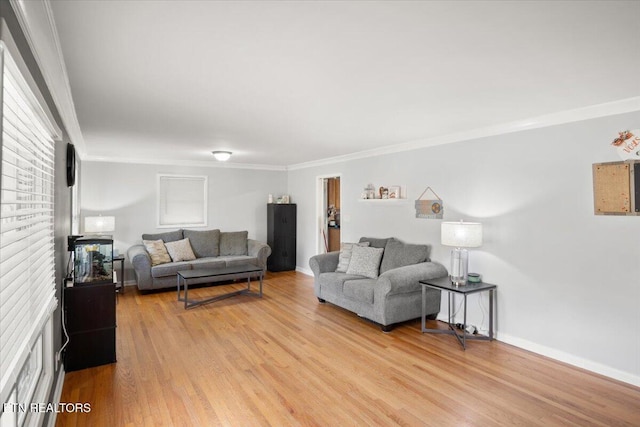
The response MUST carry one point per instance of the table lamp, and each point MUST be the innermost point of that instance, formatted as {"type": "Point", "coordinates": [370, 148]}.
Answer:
{"type": "Point", "coordinates": [99, 224]}
{"type": "Point", "coordinates": [460, 235]}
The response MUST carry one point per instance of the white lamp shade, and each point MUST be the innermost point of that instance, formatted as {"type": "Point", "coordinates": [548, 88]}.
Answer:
{"type": "Point", "coordinates": [461, 234]}
{"type": "Point", "coordinates": [99, 224]}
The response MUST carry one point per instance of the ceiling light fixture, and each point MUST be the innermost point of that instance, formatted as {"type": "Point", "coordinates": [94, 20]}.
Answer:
{"type": "Point", "coordinates": [222, 156]}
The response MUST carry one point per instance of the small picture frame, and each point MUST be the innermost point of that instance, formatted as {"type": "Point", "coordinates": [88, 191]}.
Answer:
{"type": "Point", "coordinates": [384, 192]}
{"type": "Point", "coordinates": [395, 192]}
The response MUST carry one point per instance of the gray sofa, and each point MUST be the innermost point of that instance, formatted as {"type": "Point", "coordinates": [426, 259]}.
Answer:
{"type": "Point", "coordinates": [392, 297]}
{"type": "Point", "coordinates": [212, 248]}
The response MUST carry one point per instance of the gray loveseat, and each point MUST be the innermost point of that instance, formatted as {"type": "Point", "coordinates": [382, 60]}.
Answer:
{"type": "Point", "coordinates": [211, 248]}
{"type": "Point", "coordinates": [393, 296]}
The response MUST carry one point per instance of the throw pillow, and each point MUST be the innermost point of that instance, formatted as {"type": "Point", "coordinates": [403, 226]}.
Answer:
{"type": "Point", "coordinates": [180, 250]}
{"type": "Point", "coordinates": [398, 254]}
{"type": "Point", "coordinates": [157, 252]}
{"type": "Point", "coordinates": [345, 255]}
{"type": "Point", "coordinates": [205, 243]}
{"type": "Point", "coordinates": [365, 261]}
{"type": "Point", "coordinates": [374, 242]}
{"type": "Point", "coordinates": [168, 236]}
{"type": "Point", "coordinates": [234, 243]}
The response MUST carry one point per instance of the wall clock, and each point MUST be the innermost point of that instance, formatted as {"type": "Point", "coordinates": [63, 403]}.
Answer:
{"type": "Point", "coordinates": [71, 165]}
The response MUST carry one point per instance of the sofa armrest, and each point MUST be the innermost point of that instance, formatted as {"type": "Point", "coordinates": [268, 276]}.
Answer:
{"type": "Point", "coordinates": [141, 262]}
{"type": "Point", "coordinates": [259, 250]}
{"type": "Point", "coordinates": [324, 262]}
{"type": "Point", "coordinates": [405, 279]}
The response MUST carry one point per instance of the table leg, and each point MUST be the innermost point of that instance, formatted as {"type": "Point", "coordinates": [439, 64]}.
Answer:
{"type": "Point", "coordinates": [122, 274]}
{"type": "Point", "coordinates": [186, 290]}
{"type": "Point", "coordinates": [464, 325]}
{"type": "Point", "coordinates": [178, 285]}
{"type": "Point", "coordinates": [492, 295]}
{"type": "Point", "coordinates": [424, 315]}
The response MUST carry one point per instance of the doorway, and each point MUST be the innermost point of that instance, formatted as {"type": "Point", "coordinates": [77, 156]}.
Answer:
{"type": "Point", "coordinates": [330, 227]}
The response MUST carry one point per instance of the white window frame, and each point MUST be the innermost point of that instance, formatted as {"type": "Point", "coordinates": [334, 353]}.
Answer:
{"type": "Point", "coordinates": [30, 132]}
{"type": "Point", "coordinates": [182, 200]}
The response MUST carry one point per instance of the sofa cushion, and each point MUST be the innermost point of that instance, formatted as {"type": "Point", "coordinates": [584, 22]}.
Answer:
{"type": "Point", "coordinates": [398, 254]}
{"type": "Point", "coordinates": [360, 289]}
{"type": "Point", "coordinates": [332, 283]}
{"type": "Point", "coordinates": [157, 252]}
{"type": "Point", "coordinates": [180, 250]}
{"type": "Point", "coordinates": [233, 243]}
{"type": "Point", "coordinates": [238, 259]}
{"type": "Point", "coordinates": [365, 261]}
{"type": "Point", "coordinates": [169, 236]}
{"type": "Point", "coordinates": [170, 269]}
{"type": "Point", "coordinates": [205, 243]}
{"type": "Point", "coordinates": [375, 242]}
{"type": "Point", "coordinates": [345, 256]}
{"type": "Point", "coordinates": [208, 262]}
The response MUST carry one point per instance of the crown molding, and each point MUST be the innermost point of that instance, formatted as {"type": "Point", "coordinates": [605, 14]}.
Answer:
{"type": "Point", "coordinates": [579, 114]}
{"type": "Point", "coordinates": [190, 163]}
{"type": "Point", "coordinates": [38, 25]}
{"type": "Point", "coordinates": [622, 106]}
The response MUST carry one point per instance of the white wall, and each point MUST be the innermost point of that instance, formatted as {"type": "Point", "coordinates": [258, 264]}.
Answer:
{"type": "Point", "coordinates": [237, 198]}
{"type": "Point", "coordinates": [568, 280]}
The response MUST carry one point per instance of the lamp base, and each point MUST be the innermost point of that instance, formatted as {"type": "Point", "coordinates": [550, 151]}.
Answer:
{"type": "Point", "coordinates": [459, 266]}
{"type": "Point", "coordinates": [457, 281]}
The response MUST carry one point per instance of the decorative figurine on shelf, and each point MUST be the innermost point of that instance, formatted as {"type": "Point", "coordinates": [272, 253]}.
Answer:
{"type": "Point", "coordinates": [371, 192]}
{"type": "Point", "coordinates": [628, 144]}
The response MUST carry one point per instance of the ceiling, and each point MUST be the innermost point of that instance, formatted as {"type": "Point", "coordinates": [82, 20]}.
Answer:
{"type": "Point", "coordinates": [283, 83]}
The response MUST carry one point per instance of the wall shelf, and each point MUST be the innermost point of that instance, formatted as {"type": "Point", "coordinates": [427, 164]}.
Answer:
{"type": "Point", "coordinates": [396, 202]}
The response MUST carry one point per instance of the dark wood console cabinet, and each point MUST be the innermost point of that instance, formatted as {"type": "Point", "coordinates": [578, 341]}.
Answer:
{"type": "Point", "coordinates": [281, 236]}
{"type": "Point", "coordinates": [90, 316]}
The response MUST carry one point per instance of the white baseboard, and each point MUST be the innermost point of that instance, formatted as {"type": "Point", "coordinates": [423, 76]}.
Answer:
{"type": "Point", "coordinates": [303, 270]}
{"type": "Point", "coordinates": [571, 359]}
{"type": "Point", "coordinates": [562, 356]}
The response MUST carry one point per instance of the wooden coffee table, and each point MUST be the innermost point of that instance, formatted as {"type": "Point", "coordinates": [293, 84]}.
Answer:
{"type": "Point", "coordinates": [218, 274]}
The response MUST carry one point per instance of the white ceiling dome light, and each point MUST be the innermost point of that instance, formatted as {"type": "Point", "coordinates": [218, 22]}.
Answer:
{"type": "Point", "coordinates": [222, 156]}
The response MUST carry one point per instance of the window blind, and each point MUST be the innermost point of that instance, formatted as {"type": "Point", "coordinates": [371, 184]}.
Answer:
{"type": "Point", "coordinates": [27, 258]}
{"type": "Point", "coordinates": [182, 201]}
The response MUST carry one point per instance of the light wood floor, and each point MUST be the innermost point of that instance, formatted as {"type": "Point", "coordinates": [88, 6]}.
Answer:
{"type": "Point", "coordinates": [287, 360]}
